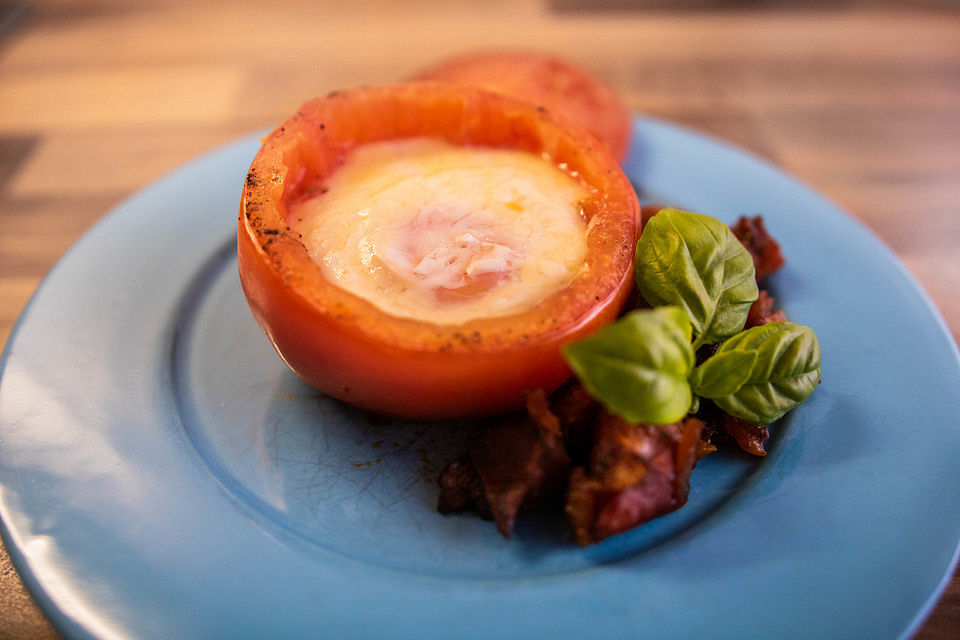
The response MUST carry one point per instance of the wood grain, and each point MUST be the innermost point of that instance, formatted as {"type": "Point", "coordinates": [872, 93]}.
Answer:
{"type": "Point", "coordinates": [97, 98]}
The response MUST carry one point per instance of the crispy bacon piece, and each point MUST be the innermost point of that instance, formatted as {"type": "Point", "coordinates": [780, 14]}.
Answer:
{"type": "Point", "coordinates": [750, 437]}
{"type": "Point", "coordinates": [637, 472]}
{"type": "Point", "coordinates": [538, 410]}
{"type": "Point", "coordinates": [724, 429]}
{"type": "Point", "coordinates": [462, 490]}
{"type": "Point", "coordinates": [647, 211]}
{"type": "Point", "coordinates": [704, 448]}
{"type": "Point", "coordinates": [514, 466]}
{"type": "Point", "coordinates": [762, 311]}
{"type": "Point", "coordinates": [767, 257]}
{"type": "Point", "coordinates": [576, 412]}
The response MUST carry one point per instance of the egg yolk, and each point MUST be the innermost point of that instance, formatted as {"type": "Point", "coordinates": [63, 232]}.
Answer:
{"type": "Point", "coordinates": [444, 234]}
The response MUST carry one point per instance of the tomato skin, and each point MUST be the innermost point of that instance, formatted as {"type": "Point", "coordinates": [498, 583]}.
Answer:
{"type": "Point", "coordinates": [348, 348]}
{"type": "Point", "coordinates": [569, 92]}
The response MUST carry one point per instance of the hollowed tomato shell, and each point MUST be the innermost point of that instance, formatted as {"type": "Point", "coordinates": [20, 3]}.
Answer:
{"type": "Point", "coordinates": [350, 349]}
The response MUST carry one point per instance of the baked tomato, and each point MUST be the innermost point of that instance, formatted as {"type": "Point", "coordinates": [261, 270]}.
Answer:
{"type": "Point", "coordinates": [346, 346]}
{"type": "Point", "coordinates": [566, 91]}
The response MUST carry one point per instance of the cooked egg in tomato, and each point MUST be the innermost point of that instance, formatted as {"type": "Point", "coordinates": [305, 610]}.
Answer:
{"type": "Point", "coordinates": [441, 202]}
{"type": "Point", "coordinates": [446, 234]}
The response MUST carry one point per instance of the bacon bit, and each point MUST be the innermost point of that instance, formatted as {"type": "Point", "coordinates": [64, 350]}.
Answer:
{"type": "Point", "coordinates": [750, 437]}
{"type": "Point", "coordinates": [704, 449]}
{"type": "Point", "coordinates": [687, 456]}
{"type": "Point", "coordinates": [762, 311]}
{"type": "Point", "coordinates": [753, 234]}
{"type": "Point", "coordinates": [461, 489]}
{"type": "Point", "coordinates": [575, 410]}
{"type": "Point", "coordinates": [540, 415]}
{"type": "Point", "coordinates": [647, 211]}
{"type": "Point", "coordinates": [514, 466]}
{"type": "Point", "coordinates": [637, 472]}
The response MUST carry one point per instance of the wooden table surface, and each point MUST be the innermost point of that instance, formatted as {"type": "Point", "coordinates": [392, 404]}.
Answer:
{"type": "Point", "coordinates": [98, 98]}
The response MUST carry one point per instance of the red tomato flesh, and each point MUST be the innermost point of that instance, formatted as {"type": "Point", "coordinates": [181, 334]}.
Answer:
{"type": "Point", "coordinates": [567, 91]}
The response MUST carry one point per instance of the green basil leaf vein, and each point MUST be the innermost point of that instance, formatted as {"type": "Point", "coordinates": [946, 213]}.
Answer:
{"type": "Point", "coordinates": [639, 366]}
{"type": "Point", "coordinates": [695, 262]}
{"type": "Point", "coordinates": [723, 373]}
{"type": "Point", "coordinates": [786, 372]}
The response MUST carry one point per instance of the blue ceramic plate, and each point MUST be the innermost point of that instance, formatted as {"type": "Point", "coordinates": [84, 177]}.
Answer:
{"type": "Point", "coordinates": [164, 476]}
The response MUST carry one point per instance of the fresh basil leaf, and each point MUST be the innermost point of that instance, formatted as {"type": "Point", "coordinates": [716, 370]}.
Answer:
{"type": "Point", "coordinates": [638, 366]}
{"type": "Point", "coordinates": [695, 262]}
{"type": "Point", "coordinates": [723, 373]}
{"type": "Point", "coordinates": [786, 372]}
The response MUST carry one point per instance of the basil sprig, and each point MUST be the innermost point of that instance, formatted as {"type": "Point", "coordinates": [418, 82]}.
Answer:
{"type": "Point", "coordinates": [701, 281]}
{"type": "Point", "coordinates": [638, 366]}
{"type": "Point", "coordinates": [695, 262]}
{"type": "Point", "coordinates": [785, 371]}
